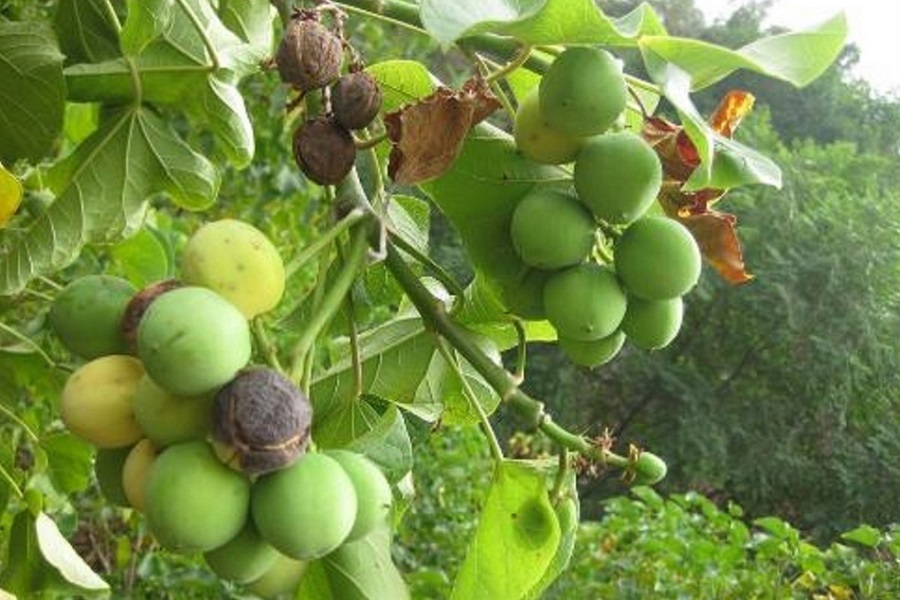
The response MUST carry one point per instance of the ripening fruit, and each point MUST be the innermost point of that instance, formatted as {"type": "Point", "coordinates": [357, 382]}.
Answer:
{"type": "Point", "coordinates": [583, 91]}
{"type": "Point", "coordinates": [87, 315]}
{"type": "Point", "coordinates": [657, 258]}
{"type": "Point", "coordinates": [618, 176]}
{"type": "Point", "coordinates": [237, 261]}
{"type": "Point", "coordinates": [281, 579]}
{"type": "Point", "coordinates": [134, 473]}
{"type": "Point", "coordinates": [652, 324]}
{"type": "Point", "coordinates": [244, 558]}
{"type": "Point", "coordinates": [108, 466]}
{"type": "Point", "coordinates": [373, 492]}
{"type": "Point", "coordinates": [649, 469]}
{"type": "Point", "coordinates": [193, 341]}
{"type": "Point", "coordinates": [97, 401]}
{"type": "Point", "coordinates": [593, 353]}
{"type": "Point", "coordinates": [584, 302]}
{"type": "Point", "coordinates": [537, 140]}
{"type": "Point", "coordinates": [168, 419]}
{"type": "Point", "coordinates": [551, 230]}
{"type": "Point", "coordinates": [194, 502]}
{"type": "Point", "coordinates": [307, 509]}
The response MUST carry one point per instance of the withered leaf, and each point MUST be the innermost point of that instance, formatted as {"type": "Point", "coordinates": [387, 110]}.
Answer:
{"type": "Point", "coordinates": [427, 136]}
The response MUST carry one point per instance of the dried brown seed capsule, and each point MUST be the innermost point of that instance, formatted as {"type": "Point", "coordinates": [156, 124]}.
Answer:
{"type": "Point", "coordinates": [261, 421]}
{"type": "Point", "coordinates": [139, 304]}
{"type": "Point", "coordinates": [309, 56]}
{"type": "Point", "coordinates": [324, 150]}
{"type": "Point", "coordinates": [355, 99]}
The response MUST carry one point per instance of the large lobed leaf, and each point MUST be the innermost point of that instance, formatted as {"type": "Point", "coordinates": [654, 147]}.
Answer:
{"type": "Point", "coordinates": [102, 190]}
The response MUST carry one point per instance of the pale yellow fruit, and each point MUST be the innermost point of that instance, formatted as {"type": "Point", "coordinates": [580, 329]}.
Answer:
{"type": "Point", "coordinates": [97, 401]}
{"type": "Point", "coordinates": [134, 473]}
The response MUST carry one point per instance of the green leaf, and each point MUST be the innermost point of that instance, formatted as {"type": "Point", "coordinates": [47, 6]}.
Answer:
{"type": "Point", "coordinates": [865, 535]}
{"type": "Point", "coordinates": [252, 22]}
{"type": "Point", "coordinates": [165, 51]}
{"type": "Point", "coordinates": [796, 57]}
{"type": "Point", "coordinates": [69, 461]}
{"type": "Point", "coordinates": [142, 258]}
{"type": "Point", "coordinates": [401, 82]}
{"type": "Point", "coordinates": [22, 568]}
{"type": "Point", "coordinates": [567, 511]}
{"type": "Point", "coordinates": [360, 570]}
{"type": "Point", "coordinates": [517, 538]}
{"type": "Point", "coordinates": [102, 189]}
{"type": "Point", "coordinates": [32, 96]}
{"type": "Point", "coordinates": [537, 21]}
{"type": "Point", "coordinates": [86, 30]}
{"type": "Point", "coordinates": [62, 558]}
{"type": "Point", "coordinates": [387, 444]}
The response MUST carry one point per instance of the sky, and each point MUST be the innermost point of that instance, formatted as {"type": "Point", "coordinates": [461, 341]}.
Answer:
{"type": "Point", "coordinates": [873, 27]}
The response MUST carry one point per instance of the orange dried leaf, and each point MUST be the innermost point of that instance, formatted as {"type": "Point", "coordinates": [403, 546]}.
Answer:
{"type": "Point", "coordinates": [732, 109]}
{"type": "Point", "coordinates": [427, 136]}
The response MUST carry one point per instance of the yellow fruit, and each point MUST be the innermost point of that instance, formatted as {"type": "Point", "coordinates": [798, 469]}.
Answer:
{"type": "Point", "coordinates": [134, 473]}
{"type": "Point", "coordinates": [537, 140]}
{"type": "Point", "coordinates": [97, 401]}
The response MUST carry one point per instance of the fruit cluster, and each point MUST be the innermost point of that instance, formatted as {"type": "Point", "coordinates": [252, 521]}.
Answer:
{"type": "Point", "coordinates": [310, 57]}
{"type": "Point", "coordinates": [211, 450]}
{"type": "Point", "coordinates": [592, 299]}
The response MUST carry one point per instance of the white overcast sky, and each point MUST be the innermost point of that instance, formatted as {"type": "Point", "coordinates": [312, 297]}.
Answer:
{"type": "Point", "coordinates": [873, 27]}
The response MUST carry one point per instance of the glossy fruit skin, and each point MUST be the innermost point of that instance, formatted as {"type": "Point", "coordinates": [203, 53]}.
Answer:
{"type": "Point", "coordinates": [108, 464]}
{"type": "Point", "coordinates": [97, 401]}
{"type": "Point", "coordinates": [193, 341]}
{"type": "Point", "coordinates": [583, 91]}
{"type": "Point", "coordinates": [281, 579]}
{"type": "Point", "coordinates": [194, 502]}
{"type": "Point", "coordinates": [168, 419]}
{"type": "Point", "coordinates": [243, 558]}
{"type": "Point", "coordinates": [536, 140]}
{"type": "Point", "coordinates": [657, 259]}
{"type": "Point", "coordinates": [618, 176]}
{"type": "Point", "coordinates": [552, 230]}
{"type": "Point", "coordinates": [134, 473]}
{"type": "Point", "coordinates": [236, 260]}
{"type": "Point", "coordinates": [584, 302]}
{"type": "Point", "coordinates": [373, 492]}
{"type": "Point", "coordinates": [652, 324]}
{"type": "Point", "coordinates": [306, 510]}
{"type": "Point", "coordinates": [593, 353]}
{"type": "Point", "coordinates": [87, 315]}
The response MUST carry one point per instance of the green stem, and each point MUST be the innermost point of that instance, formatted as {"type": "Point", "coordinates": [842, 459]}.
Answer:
{"type": "Point", "coordinates": [437, 270]}
{"type": "Point", "coordinates": [12, 482]}
{"type": "Point", "coordinates": [519, 59]}
{"type": "Point", "coordinates": [15, 418]}
{"type": "Point", "coordinates": [201, 31]}
{"type": "Point", "coordinates": [323, 241]}
{"type": "Point", "coordinates": [641, 84]}
{"type": "Point", "coordinates": [399, 13]}
{"type": "Point", "coordinates": [49, 282]}
{"type": "Point", "coordinates": [496, 451]}
{"type": "Point", "coordinates": [355, 357]}
{"type": "Point", "coordinates": [560, 480]}
{"type": "Point", "coordinates": [270, 352]}
{"type": "Point", "coordinates": [332, 300]}
{"type": "Point", "coordinates": [370, 142]}
{"type": "Point", "coordinates": [28, 342]}
{"type": "Point", "coordinates": [521, 351]}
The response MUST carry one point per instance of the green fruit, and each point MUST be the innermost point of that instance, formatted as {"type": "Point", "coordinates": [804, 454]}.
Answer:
{"type": "Point", "coordinates": [593, 353]}
{"type": "Point", "coordinates": [281, 579]}
{"type": "Point", "coordinates": [237, 261]}
{"type": "Point", "coordinates": [87, 315]}
{"type": "Point", "coordinates": [168, 419]}
{"type": "Point", "coordinates": [135, 471]}
{"type": "Point", "coordinates": [194, 502]}
{"type": "Point", "coordinates": [657, 259]}
{"type": "Point", "coordinates": [537, 140]}
{"type": "Point", "coordinates": [373, 492]}
{"type": "Point", "coordinates": [649, 469]}
{"type": "Point", "coordinates": [584, 302]}
{"type": "Point", "coordinates": [583, 92]}
{"type": "Point", "coordinates": [193, 341]}
{"type": "Point", "coordinates": [551, 230]}
{"type": "Point", "coordinates": [652, 324]}
{"type": "Point", "coordinates": [244, 558]}
{"type": "Point", "coordinates": [617, 175]}
{"type": "Point", "coordinates": [97, 401]}
{"type": "Point", "coordinates": [306, 510]}
{"type": "Point", "coordinates": [108, 466]}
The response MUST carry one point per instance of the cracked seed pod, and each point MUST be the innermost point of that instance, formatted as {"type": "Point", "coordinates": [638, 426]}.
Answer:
{"type": "Point", "coordinates": [355, 99]}
{"type": "Point", "coordinates": [309, 56]}
{"type": "Point", "coordinates": [138, 305]}
{"type": "Point", "coordinates": [324, 150]}
{"type": "Point", "coordinates": [261, 421]}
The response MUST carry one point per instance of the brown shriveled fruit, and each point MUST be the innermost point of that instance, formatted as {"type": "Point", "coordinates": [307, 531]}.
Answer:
{"type": "Point", "coordinates": [261, 421]}
{"type": "Point", "coordinates": [309, 56]}
{"type": "Point", "coordinates": [324, 150]}
{"type": "Point", "coordinates": [139, 304]}
{"type": "Point", "coordinates": [355, 99]}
